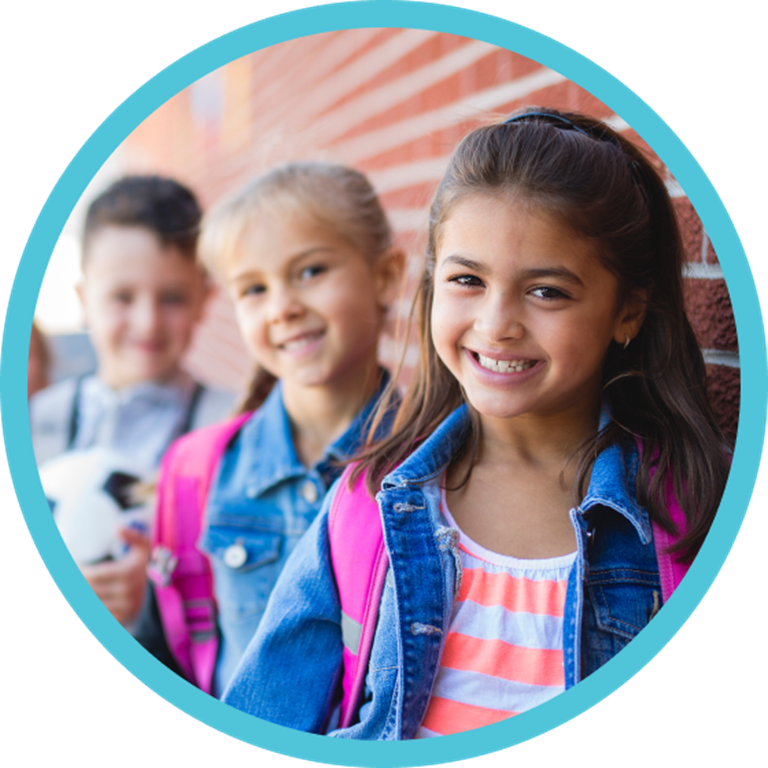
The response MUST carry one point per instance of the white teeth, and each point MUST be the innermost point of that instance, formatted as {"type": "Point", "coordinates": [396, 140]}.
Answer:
{"type": "Point", "coordinates": [292, 346]}
{"type": "Point", "coordinates": [505, 366]}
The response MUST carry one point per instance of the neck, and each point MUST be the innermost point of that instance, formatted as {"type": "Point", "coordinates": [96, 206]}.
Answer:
{"type": "Point", "coordinates": [319, 415]}
{"type": "Point", "coordinates": [549, 439]}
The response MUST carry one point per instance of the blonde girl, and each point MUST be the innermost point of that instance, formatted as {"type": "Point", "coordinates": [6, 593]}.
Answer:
{"type": "Point", "coordinates": [306, 254]}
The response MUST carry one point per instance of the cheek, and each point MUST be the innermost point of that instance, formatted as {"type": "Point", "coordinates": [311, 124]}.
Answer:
{"type": "Point", "coordinates": [447, 325]}
{"type": "Point", "coordinates": [251, 325]}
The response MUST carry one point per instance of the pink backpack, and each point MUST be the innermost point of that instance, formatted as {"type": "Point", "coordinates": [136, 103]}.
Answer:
{"type": "Point", "coordinates": [180, 572]}
{"type": "Point", "coordinates": [183, 578]}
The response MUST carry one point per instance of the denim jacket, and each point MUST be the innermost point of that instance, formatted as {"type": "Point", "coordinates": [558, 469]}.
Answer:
{"type": "Point", "coordinates": [262, 502]}
{"type": "Point", "coordinates": [291, 670]}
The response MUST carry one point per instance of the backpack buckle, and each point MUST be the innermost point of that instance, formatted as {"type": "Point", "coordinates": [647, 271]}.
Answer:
{"type": "Point", "coordinates": [161, 566]}
{"type": "Point", "coordinates": [201, 619]}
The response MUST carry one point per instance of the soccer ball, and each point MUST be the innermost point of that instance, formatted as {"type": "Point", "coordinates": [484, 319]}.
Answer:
{"type": "Point", "coordinates": [92, 496]}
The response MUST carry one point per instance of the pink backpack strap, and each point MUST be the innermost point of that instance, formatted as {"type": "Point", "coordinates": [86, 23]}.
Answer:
{"type": "Point", "coordinates": [360, 564]}
{"type": "Point", "coordinates": [671, 571]}
{"type": "Point", "coordinates": [181, 574]}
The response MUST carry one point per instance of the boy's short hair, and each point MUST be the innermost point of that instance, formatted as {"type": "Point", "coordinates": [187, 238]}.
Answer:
{"type": "Point", "coordinates": [162, 205]}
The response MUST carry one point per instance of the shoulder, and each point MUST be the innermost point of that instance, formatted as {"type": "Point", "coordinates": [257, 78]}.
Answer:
{"type": "Point", "coordinates": [50, 415]}
{"type": "Point", "coordinates": [49, 402]}
{"type": "Point", "coordinates": [211, 439]}
{"type": "Point", "coordinates": [213, 405]}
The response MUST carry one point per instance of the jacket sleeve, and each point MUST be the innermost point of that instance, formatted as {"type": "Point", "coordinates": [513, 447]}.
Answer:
{"type": "Point", "coordinates": [291, 669]}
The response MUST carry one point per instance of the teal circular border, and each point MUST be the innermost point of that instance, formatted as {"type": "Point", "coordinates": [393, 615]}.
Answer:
{"type": "Point", "coordinates": [414, 15]}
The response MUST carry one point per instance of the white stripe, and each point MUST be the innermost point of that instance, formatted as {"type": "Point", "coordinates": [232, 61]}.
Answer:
{"type": "Point", "coordinates": [718, 357]}
{"type": "Point", "coordinates": [526, 630]}
{"type": "Point", "coordinates": [353, 76]}
{"type": "Point", "coordinates": [374, 102]}
{"type": "Point", "coordinates": [695, 269]}
{"type": "Point", "coordinates": [474, 107]}
{"type": "Point", "coordinates": [674, 189]}
{"type": "Point", "coordinates": [409, 219]}
{"type": "Point", "coordinates": [407, 175]}
{"type": "Point", "coordinates": [492, 692]}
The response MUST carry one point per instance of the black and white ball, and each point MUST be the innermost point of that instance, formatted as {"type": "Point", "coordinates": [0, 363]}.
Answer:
{"type": "Point", "coordinates": [92, 494]}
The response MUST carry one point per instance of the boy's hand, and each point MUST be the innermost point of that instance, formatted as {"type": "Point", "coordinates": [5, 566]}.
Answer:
{"type": "Point", "coordinates": [119, 584]}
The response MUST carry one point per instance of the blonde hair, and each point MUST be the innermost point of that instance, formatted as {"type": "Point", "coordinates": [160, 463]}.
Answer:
{"type": "Point", "coordinates": [335, 196]}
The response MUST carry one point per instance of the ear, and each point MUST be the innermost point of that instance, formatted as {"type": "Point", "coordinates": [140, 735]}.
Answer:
{"type": "Point", "coordinates": [630, 317]}
{"type": "Point", "coordinates": [388, 276]}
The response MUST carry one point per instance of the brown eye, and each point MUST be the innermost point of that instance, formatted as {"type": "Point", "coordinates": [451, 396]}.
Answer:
{"type": "Point", "coordinates": [548, 292]}
{"type": "Point", "coordinates": [470, 281]}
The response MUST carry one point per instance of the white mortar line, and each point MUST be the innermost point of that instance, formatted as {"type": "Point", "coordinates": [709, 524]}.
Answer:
{"type": "Point", "coordinates": [372, 103]}
{"type": "Point", "coordinates": [699, 271]}
{"type": "Point", "coordinates": [718, 357]}
{"type": "Point", "coordinates": [476, 105]}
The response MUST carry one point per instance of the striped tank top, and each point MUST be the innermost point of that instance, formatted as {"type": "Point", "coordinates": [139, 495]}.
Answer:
{"type": "Point", "coordinates": [504, 649]}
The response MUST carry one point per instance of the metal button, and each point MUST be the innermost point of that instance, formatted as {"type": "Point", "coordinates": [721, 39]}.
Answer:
{"type": "Point", "coordinates": [235, 555]}
{"type": "Point", "coordinates": [309, 492]}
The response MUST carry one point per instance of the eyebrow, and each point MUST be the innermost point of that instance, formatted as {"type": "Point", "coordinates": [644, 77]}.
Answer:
{"type": "Point", "coordinates": [292, 261]}
{"type": "Point", "coordinates": [463, 261]}
{"type": "Point", "coordinates": [561, 272]}
{"type": "Point", "coordinates": [533, 273]}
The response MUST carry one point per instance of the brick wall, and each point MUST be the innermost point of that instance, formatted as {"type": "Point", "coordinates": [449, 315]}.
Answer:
{"type": "Point", "coordinates": [394, 103]}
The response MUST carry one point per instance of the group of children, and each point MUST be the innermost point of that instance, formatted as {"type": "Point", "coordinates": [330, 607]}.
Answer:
{"type": "Point", "coordinates": [516, 516]}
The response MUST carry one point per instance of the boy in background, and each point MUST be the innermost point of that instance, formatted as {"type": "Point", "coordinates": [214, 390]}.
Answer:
{"type": "Point", "coordinates": [143, 292]}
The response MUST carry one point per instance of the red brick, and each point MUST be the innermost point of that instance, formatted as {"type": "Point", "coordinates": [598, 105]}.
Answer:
{"type": "Point", "coordinates": [691, 228]}
{"type": "Point", "coordinates": [709, 309]}
{"type": "Point", "coordinates": [416, 196]}
{"type": "Point", "coordinates": [723, 388]}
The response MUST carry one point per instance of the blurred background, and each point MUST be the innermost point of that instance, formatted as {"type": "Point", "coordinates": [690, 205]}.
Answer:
{"type": "Point", "coordinates": [392, 102]}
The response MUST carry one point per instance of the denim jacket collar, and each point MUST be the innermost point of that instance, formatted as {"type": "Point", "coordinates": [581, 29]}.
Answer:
{"type": "Point", "coordinates": [611, 485]}
{"type": "Point", "coordinates": [270, 424]}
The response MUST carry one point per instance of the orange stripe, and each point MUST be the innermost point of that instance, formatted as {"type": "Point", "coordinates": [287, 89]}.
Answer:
{"type": "Point", "coordinates": [445, 716]}
{"type": "Point", "coordinates": [533, 666]}
{"type": "Point", "coordinates": [513, 593]}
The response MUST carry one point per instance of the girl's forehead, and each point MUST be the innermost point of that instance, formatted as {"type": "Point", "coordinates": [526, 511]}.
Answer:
{"type": "Point", "coordinates": [268, 241]}
{"type": "Point", "coordinates": [504, 239]}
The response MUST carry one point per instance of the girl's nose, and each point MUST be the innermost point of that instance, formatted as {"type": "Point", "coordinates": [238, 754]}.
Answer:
{"type": "Point", "coordinates": [500, 319]}
{"type": "Point", "coordinates": [284, 305]}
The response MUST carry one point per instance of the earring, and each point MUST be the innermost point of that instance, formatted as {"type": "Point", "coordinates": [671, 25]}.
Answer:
{"type": "Point", "coordinates": [626, 341]}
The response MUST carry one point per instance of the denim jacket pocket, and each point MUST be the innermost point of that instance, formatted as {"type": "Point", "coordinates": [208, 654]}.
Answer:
{"type": "Point", "coordinates": [244, 562]}
{"type": "Point", "coordinates": [618, 604]}
{"type": "Point", "coordinates": [623, 600]}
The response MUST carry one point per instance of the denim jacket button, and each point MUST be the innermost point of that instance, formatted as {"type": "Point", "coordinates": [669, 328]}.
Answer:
{"type": "Point", "coordinates": [309, 492]}
{"type": "Point", "coordinates": [235, 555]}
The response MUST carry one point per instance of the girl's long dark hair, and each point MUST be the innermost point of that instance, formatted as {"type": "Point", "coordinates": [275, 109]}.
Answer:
{"type": "Point", "coordinates": [603, 188]}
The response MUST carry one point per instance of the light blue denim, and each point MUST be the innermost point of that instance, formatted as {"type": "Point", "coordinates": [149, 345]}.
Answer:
{"type": "Point", "coordinates": [290, 673]}
{"type": "Point", "coordinates": [262, 502]}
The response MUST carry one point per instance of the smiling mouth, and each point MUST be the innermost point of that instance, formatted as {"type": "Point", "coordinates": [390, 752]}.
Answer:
{"type": "Point", "coordinates": [503, 366]}
{"type": "Point", "coordinates": [300, 342]}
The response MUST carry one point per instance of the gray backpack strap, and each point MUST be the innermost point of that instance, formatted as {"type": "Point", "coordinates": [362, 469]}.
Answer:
{"type": "Point", "coordinates": [74, 414]}
{"type": "Point", "coordinates": [53, 415]}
